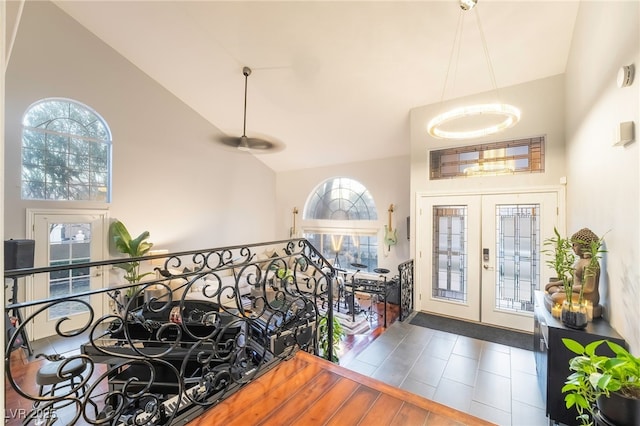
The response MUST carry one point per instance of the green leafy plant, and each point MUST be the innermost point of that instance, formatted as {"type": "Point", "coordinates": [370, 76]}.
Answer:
{"type": "Point", "coordinates": [597, 376]}
{"type": "Point", "coordinates": [134, 247]}
{"type": "Point", "coordinates": [323, 337]}
{"type": "Point", "coordinates": [561, 259]}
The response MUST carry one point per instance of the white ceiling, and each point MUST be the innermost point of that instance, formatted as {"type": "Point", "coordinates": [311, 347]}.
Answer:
{"type": "Point", "coordinates": [333, 81]}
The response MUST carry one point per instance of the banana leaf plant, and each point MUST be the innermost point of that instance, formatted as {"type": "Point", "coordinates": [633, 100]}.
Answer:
{"type": "Point", "coordinates": [134, 247]}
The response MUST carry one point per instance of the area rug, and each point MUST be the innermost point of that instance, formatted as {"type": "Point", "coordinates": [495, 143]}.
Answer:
{"type": "Point", "coordinates": [349, 326]}
{"type": "Point", "coordinates": [477, 331]}
{"type": "Point", "coordinates": [359, 326]}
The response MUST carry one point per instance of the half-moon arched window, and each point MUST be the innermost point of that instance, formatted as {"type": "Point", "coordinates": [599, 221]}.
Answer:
{"type": "Point", "coordinates": [340, 220]}
{"type": "Point", "coordinates": [340, 199]}
{"type": "Point", "coordinates": [66, 152]}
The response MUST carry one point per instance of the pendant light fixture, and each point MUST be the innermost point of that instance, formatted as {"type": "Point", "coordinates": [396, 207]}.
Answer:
{"type": "Point", "coordinates": [507, 114]}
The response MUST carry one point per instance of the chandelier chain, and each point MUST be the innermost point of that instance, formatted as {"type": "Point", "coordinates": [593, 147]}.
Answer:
{"type": "Point", "coordinates": [485, 48]}
{"type": "Point", "coordinates": [455, 49]}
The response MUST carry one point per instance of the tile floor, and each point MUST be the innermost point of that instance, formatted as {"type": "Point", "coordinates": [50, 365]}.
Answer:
{"type": "Point", "coordinates": [494, 382]}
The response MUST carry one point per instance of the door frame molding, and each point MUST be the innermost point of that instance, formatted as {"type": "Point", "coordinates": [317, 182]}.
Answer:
{"type": "Point", "coordinates": [31, 214]}
{"type": "Point", "coordinates": [559, 189]}
{"type": "Point", "coordinates": [419, 264]}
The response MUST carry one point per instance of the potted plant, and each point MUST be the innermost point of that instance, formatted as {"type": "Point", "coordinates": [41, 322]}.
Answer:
{"type": "Point", "coordinates": [133, 247]}
{"type": "Point", "coordinates": [323, 337]}
{"type": "Point", "coordinates": [561, 260]}
{"type": "Point", "coordinates": [575, 280]}
{"type": "Point", "coordinates": [607, 384]}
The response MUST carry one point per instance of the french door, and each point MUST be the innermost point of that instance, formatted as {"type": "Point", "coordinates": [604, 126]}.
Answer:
{"type": "Point", "coordinates": [65, 238]}
{"type": "Point", "coordinates": [480, 255]}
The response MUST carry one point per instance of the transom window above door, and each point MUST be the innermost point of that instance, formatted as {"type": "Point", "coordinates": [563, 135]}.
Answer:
{"type": "Point", "coordinates": [498, 158]}
{"type": "Point", "coordinates": [66, 152]}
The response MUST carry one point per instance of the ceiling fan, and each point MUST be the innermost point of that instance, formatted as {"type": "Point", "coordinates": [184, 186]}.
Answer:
{"type": "Point", "coordinates": [249, 144]}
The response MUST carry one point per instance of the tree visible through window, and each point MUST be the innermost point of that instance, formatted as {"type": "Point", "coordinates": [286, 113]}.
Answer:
{"type": "Point", "coordinates": [338, 222]}
{"type": "Point", "coordinates": [66, 152]}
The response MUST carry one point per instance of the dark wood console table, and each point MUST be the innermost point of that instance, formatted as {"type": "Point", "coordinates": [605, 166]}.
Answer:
{"type": "Point", "coordinates": [552, 357]}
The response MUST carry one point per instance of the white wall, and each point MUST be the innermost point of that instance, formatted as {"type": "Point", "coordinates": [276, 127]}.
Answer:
{"type": "Point", "coordinates": [387, 180]}
{"type": "Point", "coordinates": [168, 176]}
{"type": "Point", "coordinates": [603, 191]}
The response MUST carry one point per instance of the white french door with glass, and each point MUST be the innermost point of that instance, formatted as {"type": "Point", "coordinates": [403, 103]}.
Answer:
{"type": "Point", "coordinates": [65, 237]}
{"type": "Point", "coordinates": [479, 256]}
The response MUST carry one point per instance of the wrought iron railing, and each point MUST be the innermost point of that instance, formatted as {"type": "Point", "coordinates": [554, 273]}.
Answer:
{"type": "Point", "coordinates": [210, 322]}
{"type": "Point", "coordinates": [405, 274]}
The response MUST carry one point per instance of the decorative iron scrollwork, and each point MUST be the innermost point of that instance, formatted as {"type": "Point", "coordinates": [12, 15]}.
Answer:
{"type": "Point", "coordinates": [212, 321]}
{"type": "Point", "coordinates": [405, 270]}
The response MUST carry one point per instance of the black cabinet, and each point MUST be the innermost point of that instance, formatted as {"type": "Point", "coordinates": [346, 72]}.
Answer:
{"type": "Point", "coordinates": [552, 357]}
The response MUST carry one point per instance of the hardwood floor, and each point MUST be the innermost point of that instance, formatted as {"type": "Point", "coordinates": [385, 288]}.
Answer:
{"type": "Point", "coordinates": [24, 371]}
{"type": "Point", "coordinates": [307, 390]}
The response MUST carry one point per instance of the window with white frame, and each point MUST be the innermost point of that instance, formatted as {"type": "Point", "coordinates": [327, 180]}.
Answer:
{"type": "Point", "coordinates": [340, 221]}
{"type": "Point", "coordinates": [66, 152]}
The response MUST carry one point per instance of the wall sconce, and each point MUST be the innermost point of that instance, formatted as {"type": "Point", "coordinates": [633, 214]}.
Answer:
{"type": "Point", "coordinates": [625, 133]}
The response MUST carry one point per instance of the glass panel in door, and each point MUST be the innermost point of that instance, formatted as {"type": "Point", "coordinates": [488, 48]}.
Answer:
{"type": "Point", "coordinates": [69, 243]}
{"type": "Point", "coordinates": [449, 230]}
{"type": "Point", "coordinates": [514, 227]}
{"type": "Point", "coordinates": [65, 239]}
{"type": "Point", "coordinates": [449, 280]}
{"type": "Point", "coordinates": [517, 256]}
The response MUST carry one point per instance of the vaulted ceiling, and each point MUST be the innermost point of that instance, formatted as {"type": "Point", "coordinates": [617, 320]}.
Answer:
{"type": "Point", "coordinates": [332, 81]}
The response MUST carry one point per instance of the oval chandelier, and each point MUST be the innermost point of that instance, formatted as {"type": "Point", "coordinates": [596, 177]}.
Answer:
{"type": "Point", "coordinates": [508, 114]}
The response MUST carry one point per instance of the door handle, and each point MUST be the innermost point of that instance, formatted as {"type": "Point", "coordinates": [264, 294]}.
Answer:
{"type": "Point", "coordinates": [485, 266]}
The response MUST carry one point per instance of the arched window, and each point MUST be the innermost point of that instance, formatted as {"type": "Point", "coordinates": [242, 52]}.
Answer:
{"type": "Point", "coordinates": [340, 199]}
{"type": "Point", "coordinates": [339, 219]}
{"type": "Point", "coordinates": [66, 152]}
